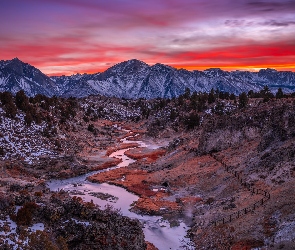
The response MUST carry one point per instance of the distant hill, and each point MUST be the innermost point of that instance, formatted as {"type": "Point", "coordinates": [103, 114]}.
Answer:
{"type": "Point", "coordinates": [136, 79]}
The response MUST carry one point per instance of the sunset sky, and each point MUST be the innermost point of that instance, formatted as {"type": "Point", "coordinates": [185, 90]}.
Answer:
{"type": "Point", "coordinates": [70, 36]}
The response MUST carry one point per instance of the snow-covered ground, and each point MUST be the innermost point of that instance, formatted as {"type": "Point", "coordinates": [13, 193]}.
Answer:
{"type": "Point", "coordinates": [9, 235]}
{"type": "Point", "coordinates": [21, 141]}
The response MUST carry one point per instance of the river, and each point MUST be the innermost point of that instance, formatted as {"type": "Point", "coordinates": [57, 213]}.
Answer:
{"type": "Point", "coordinates": [156, 229]}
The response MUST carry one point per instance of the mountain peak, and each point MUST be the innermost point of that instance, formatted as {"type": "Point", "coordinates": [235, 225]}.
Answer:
{"type": "Point", "coordinates": [135, 62]}
{"type": "Point", "coordinates": [16, 59]}
{"type": "Point", "coordinates": [16, 65]}
{"type": "Point", "coordinates": [130, 66]}
{"type": "Point", "coordinates": [162, 66]}
{"type": "Point", "coordinates": [268, 70]}
{"type": "Point", "coordinates": [214, 70]}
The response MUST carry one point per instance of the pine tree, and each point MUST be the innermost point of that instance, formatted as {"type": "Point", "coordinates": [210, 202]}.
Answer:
{"type": "Point", "coordinates": [211, 96]}
{"type": "Point", "coordinates": [10, 110]}
{"type": "Point", "coordinates": [187, 93]}
{"type": "Point", "coordinates": [243, 100]}
{"type": "Point", "coordinates": [28, 118]}
{"type": "Point", "coordinates": [232, 97]}
{"type": "Point", "coordinates": [280, 93]}
{"type": "Point", "coordinates": [21, 100]}
{"type": "Point", "coordinates": [192, 120]}
{"type": "Point", "coordinates": [266, 94]}
{"type": "Point", "coordinates": [6, 97]}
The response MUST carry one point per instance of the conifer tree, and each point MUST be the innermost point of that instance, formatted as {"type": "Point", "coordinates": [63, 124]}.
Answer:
{"type": "Point", "coordinates": [211, 96]}
{"type": "Point", "coordinates": [280, 93]}
{"type": "Point", "coordinates": [243, 100]}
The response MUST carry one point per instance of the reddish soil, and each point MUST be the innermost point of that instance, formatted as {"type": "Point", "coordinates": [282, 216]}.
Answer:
{"type": "Point", "coordinates": [247, 245]}
{"type": "Point", "coordinates": [148, 205]}
{"type": "Point", "coordinates": [150, 246]}
{"type": "Point", "coordinates": [108, 163]}
{"type": "Point", "coordinates": [151, 155]}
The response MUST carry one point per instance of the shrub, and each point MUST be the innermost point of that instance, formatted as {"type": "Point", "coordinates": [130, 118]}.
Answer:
{"type": "Point", "coordinates": [38, 194]}
{"type": "Point", "coordinates": [24, 215]}
{"type": "Point", "coordinates": [85, 118]}
{"type": "Point", "coordinates": [28, 119]}
{"type": "Point", "coordinates": [22, 101]}
{"type": "Point", "coordinates": [10, 110]}
{"type": "Point", "coordinates": [91, 128]}
{"type": "Point", "coordinates": [5, 201]}
{"type": "Point", "coordinates": [2, 152]}
{"type": "Point", "coordinates": [192, 120]}
{"type": "Point", "coordinates": [6, 97]}
{"type": "Point", "coordinates": [41, 240]}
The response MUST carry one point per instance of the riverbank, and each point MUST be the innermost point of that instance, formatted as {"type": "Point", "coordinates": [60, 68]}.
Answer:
{"type": "Point", "coordinates": [163, 234]}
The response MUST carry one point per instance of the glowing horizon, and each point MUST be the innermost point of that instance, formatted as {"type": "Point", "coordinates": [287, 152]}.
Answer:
{"type": "Point", "coordinates": [65, 37]}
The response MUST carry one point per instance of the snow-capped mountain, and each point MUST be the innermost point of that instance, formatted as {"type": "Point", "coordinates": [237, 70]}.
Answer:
{"type": "Point", "coordinates": [136, 79]}
{"type": "Point", "coordinates": [16, 75]}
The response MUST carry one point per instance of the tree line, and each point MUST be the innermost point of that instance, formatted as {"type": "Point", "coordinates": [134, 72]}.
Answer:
{"type": "Point", "coordinates": [37, 108]}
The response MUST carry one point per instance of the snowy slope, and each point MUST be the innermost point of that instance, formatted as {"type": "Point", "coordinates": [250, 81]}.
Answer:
{"type": "Point", "coordinates": [135, 79]}
{"type": "Point", "coordinates": [23, 142]}
{"type": "Point", "coordinates": [16, 75]}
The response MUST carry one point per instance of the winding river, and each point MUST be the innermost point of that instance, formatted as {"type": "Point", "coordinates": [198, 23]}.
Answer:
{"type": "Point", "coordinates": [156, 229]}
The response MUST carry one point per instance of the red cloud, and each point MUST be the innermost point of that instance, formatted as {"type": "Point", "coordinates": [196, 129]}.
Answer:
{"type": "Point", "coordinates": [80, 55]}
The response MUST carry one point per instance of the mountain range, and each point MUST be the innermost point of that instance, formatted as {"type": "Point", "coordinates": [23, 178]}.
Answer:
{"type": "Point", "coordinates": [136, 79]}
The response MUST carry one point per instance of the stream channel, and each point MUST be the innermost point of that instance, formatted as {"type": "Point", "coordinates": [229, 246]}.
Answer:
{"type": "Point", "coordinates": [155, 228]}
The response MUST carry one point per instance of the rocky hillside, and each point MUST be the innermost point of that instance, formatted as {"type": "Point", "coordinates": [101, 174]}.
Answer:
{"type": "Point", "coordinates": [136, 79]}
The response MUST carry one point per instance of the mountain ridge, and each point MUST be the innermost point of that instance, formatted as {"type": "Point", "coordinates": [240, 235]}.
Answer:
{"type": "Point", "coordinates": [136, 79]}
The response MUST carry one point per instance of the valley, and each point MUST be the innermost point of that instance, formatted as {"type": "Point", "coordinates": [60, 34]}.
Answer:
{"type": "Point", "coordinates": [180, 161]}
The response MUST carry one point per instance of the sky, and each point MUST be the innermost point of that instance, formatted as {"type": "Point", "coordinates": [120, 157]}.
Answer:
{"type": "Point", "coordinates": [87, 36]}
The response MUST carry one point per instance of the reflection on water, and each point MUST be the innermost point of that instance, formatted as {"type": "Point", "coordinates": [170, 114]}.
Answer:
{"type": "Point", "coordinates": [156, 230]}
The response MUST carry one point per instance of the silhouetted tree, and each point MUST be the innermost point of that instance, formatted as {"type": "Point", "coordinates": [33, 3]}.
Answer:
{"type": "Point", "coordinates": [279, 93]}
{"type": "Point", "coordinates": [211, 96]}
{"type": "Point", "coordinates": [180, 100]}
{"type": "Point", "coordinates": [10, 109]}
{"type": "Point", "coordinates": [28, 118]}
{"type": "Point", "coordinates": [192, 120]}
{"type": "Point", "coordinates": [266, 94]}
{"type": "Point", "coordinates": [91, 128]}
{"type": "Point", "coordinates": [219, 108]}
{"type": "Point", "coordinates": [187, 93]}
{"type": "Point", "coordinates": [203, 98]}
{"type": "Point", "coordinates": [173, 115]}
{"type": "Point", "coordinates": [2, 152]}
{"type": "Point", "coordinates": [251, 93]}
{"type": "Point", "coordinates": [232, 97]}
{"type": "Point", "coordinates": [243, 100]}
{"type": "Point", "coordinates": [224, 95]}
{"type": "Point", "coordinates": [21, 100]}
